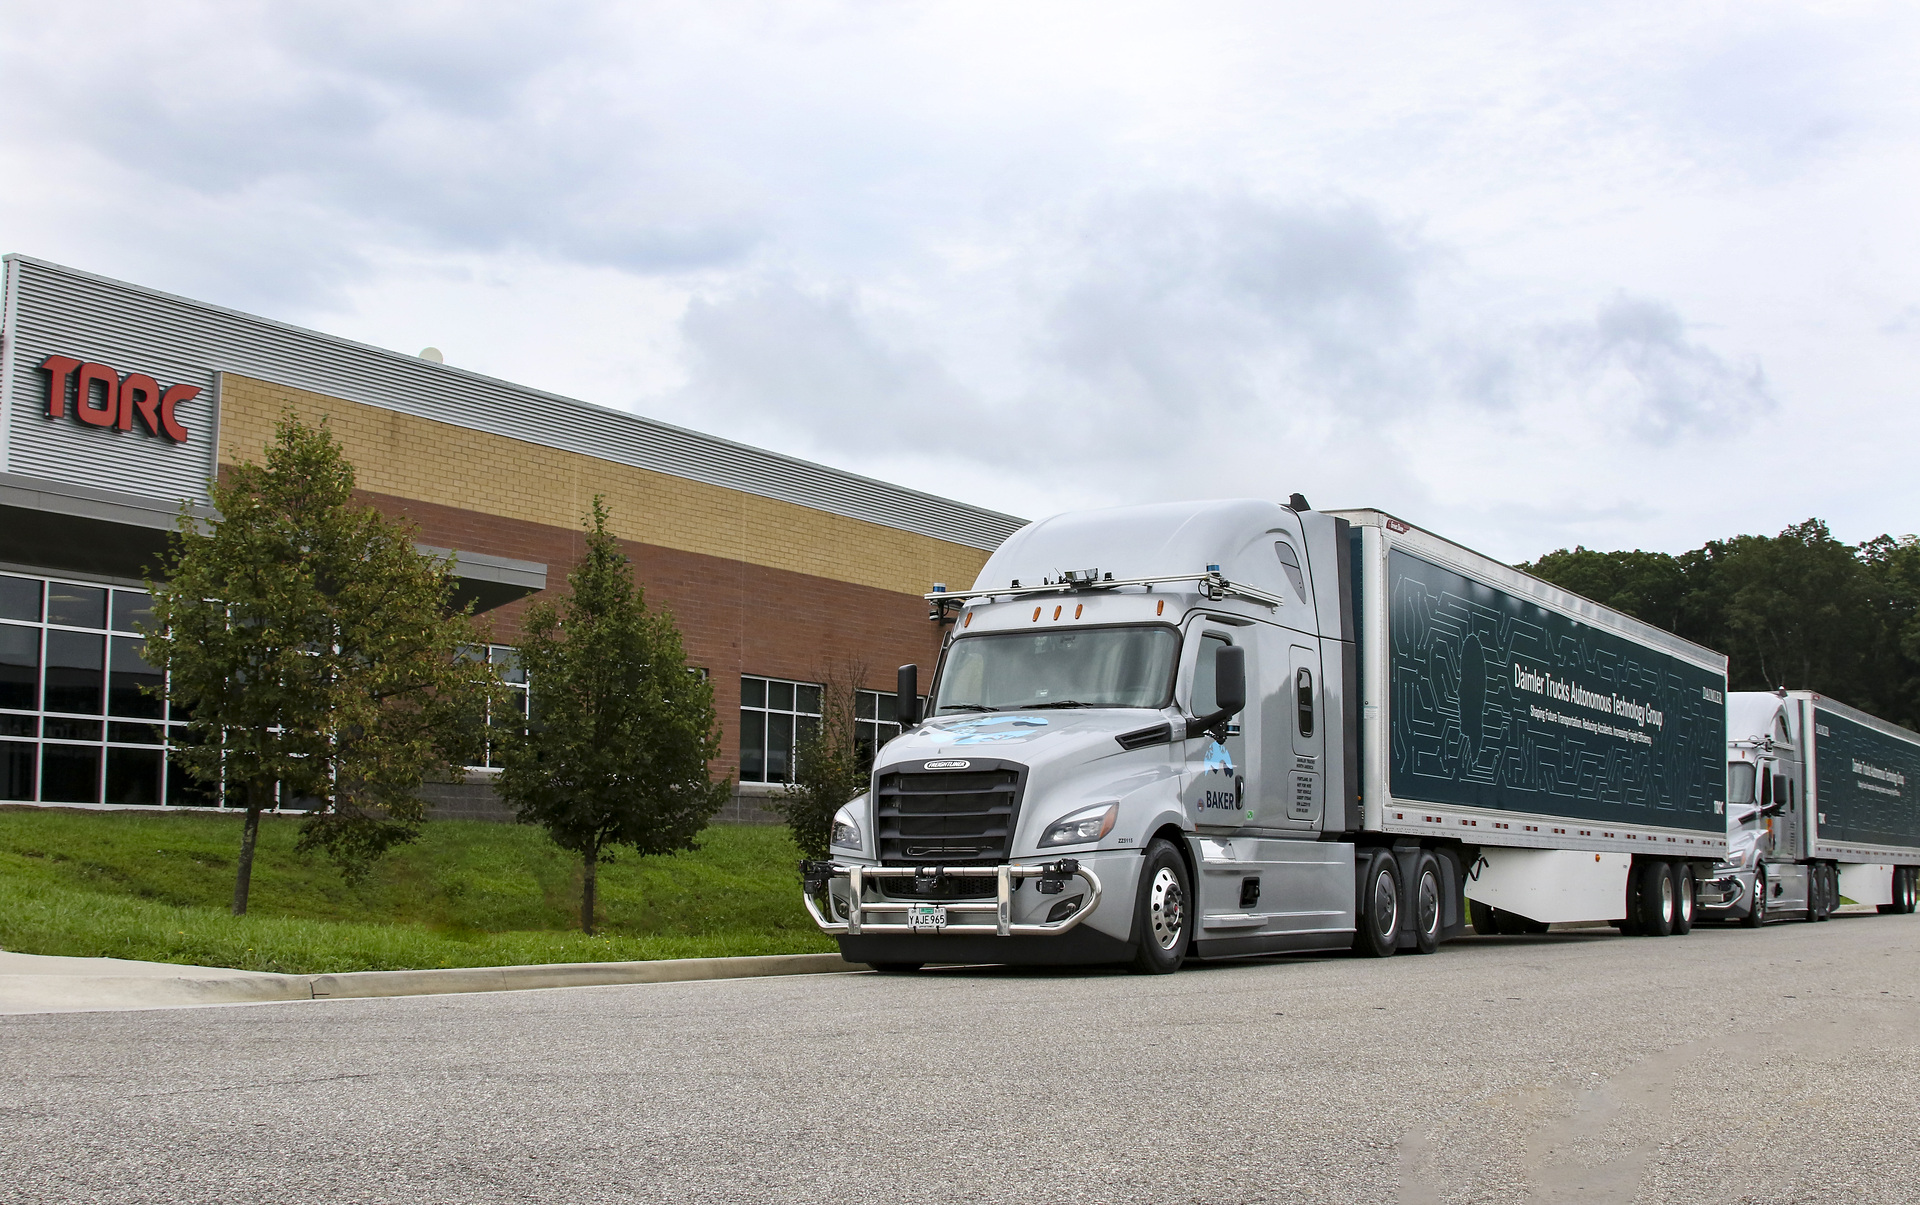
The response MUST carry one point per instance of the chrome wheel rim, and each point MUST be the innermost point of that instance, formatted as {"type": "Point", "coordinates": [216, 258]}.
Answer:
{"type": "Point", "coordinates": [1685, 903]}
{"type": "Point", "coordinates": [1759, 895]}
{"type": "Point", "coordinates": [1166, 908]}
{"type": "Point", "coordinates": [1429, 905]}
{"type": "Point", "coordinates": [1386, 903]}
{"type": "Point", "coordinates": [1666, 894]}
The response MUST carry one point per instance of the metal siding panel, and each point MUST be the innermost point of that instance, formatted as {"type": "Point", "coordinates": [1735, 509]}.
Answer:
{"type": "Point", "coordinates": [182, 341]}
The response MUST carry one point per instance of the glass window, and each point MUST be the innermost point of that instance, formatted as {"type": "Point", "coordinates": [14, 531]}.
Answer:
{"type": "Point", "coordinates": [130, 672]}
{"type": "Point", "coordinates": [20, 598]}
{"type": "Point", "coordinates": [76, 606]}
{"type": "Point", "coordinates": [133, 776]}
{"type": "Point", "coordinates": [183, 790]}
{"type": "Point", "coordinates": [83, 674]}
{"type": "Point", "coordinates": [73, 671]}
{"type": "Point", "coordinates": [874, 723]}
{"type": "Point", "coordinates": [19, 667]}
{"type": "Point", "coordinates": [775, 716]}
{"type": "Point", "coordinates": [1740, 776]}
{"type": "Point", "coordinates": [16, 770]}
{"type": "Point", "coordinates": [1086, 667]}
{"type": "Point", "coordinates": [1206, 696]}
{"type": "Point", "coordinates": [132, 610]}
{"type": "Point", "coordinates": [70, 774]}
{"type": "Point", "coordinates": [1290, 562]}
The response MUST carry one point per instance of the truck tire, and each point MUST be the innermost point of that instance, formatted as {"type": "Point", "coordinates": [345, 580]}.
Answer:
{"type": "Point", "coordinates": [1656, 898]}
{"type": "Point", "coordinates": [1683, 890]}
{"type": "Point", "coordinates": [1485, 922]}
{"type": "Point", "coordinates": [1912, 888]}
{"type": "Point", "coordinates": [1162, 914]}
{"type": "Point", "coordinates": [1816, 891]}
{"type": "Point", "coordinates": [1899, 893]}
{"type": "Point", "coordinates": [1429, 905]}
{"type": "Point", "coordinates": [1757, 913]}
{"type": "Point", "coordinates": [1376, 912]}
{"type": "Point", "coordinates": [1629, 923]}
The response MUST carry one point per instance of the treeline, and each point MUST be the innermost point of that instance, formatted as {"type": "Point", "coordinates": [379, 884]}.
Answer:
{"type": "Point", "coordinates": [1799, 610]}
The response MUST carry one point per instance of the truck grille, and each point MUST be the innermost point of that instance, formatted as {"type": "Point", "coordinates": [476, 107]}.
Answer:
{"type": "Point", "coordinates": [949, 817]}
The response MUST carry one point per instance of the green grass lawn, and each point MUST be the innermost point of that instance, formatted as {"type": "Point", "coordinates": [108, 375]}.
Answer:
{"type": "Point", "coordinates": [157, 886]}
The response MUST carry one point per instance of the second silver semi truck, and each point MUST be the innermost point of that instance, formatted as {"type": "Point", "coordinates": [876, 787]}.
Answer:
{"type": "Point", "coordinates": [1229, 728]}
{"type": "Point", "coordinates": [1818, 809]}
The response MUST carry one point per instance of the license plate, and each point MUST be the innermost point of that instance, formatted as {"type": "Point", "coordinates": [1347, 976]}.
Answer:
{"type": "Point", "coordinates": [927, 916]}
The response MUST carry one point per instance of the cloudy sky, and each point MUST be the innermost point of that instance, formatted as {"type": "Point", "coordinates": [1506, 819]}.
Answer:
{"type": "Point", "coordinates": [1629, 275]}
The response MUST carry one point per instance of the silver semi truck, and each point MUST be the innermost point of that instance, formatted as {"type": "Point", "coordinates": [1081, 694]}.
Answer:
{"type": "Point", "coordinates": [1230, 728]}
{"type": "Point", "coordinates": [1817, 810]}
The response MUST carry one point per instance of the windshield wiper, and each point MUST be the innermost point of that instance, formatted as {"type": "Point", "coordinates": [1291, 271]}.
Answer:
{"type": "Point", "coordinates": [1057, 703]}
{"type": "Point", "coordinates": [966, 707]}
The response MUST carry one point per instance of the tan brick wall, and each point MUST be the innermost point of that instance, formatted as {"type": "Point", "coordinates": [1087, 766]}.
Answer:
{"type": "Point", "coordinates": [408, 457]}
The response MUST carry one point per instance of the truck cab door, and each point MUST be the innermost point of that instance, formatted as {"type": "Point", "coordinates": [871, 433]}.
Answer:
{"type": "Point", "coordinates": [1220, 787]}
{"type": "Point", "coordinates": [1305, 721]}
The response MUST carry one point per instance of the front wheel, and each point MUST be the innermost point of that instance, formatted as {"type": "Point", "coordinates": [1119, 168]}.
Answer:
{"type": "Point", "coordinates": [1757, 913]}
{"type": "Point", "coordinates": [1161, 921]}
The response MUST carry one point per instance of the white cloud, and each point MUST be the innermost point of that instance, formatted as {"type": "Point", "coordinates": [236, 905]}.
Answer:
{"type": "Point", "coordinates": [1522, 271]}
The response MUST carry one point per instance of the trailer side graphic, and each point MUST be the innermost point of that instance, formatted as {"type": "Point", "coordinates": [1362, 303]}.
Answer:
{"type": "Point", "coordinates": [1866, 782]}
{"type": "Point", "coordinates": [1498, 702]}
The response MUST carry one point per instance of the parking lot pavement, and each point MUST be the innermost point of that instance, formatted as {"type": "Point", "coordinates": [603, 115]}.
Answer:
{"type": "Point", "coordinates": [1728, 1065]}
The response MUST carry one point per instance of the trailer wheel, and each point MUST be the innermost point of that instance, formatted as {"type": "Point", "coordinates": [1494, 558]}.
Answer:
{"type": "Point", "coordinates": [1629, 924]}
{"type": "Point", "coordinates": [1899, 893]}
{"type": "Point", "coordinates": [1377, 910]}
{"type": "Point", "coordinates": [1656, 898]}
{"type": "Point", "coordinates": [1427, 904]}
{"type": "Point", "coordinates": [1160, 915]}
{"type": "Point", "coordinates": [1816, 891]}
{"type": "Point", "coordinates": [1757, 914]}
{"type": "Point", "coordinates": [1829, 890]}
{"type": "Point", "coordinates": [1683, 892]}
{"type": "Point", "coordinates": [1907, 899]}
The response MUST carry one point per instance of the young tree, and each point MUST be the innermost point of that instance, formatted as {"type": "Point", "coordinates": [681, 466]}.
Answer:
{"type": "Point", "coordinates": [617, 746]}
{"type": "Point", "coordinates": [315, 652]}
{"type": "Point", "coordinates": [833, 766]}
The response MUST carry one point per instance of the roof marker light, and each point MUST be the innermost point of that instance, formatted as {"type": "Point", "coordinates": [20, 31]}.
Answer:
{"type": "Point", "coordinates": [1056, 612]}
{"type": "Point", "coordinates": [1077, 608]}
{"type": "Point", "coordinates": [968, 622]}
{"type": "Point", "coordinates": [1036, 615]}
{"type": "Point", "coordinates": [1162, 608]}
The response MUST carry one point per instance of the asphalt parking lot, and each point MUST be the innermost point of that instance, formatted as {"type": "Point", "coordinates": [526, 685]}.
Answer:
{"type": "Point", "coordinates": [1728, 1065]}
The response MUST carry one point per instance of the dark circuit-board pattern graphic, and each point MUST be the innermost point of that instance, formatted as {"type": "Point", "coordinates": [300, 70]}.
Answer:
{"type": "Point", "coordinates": [1497, 702]}
{"type": "Point", "coordinates": [1868, 783]}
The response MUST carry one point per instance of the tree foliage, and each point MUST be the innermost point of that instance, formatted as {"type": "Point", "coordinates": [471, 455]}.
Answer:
{"type": "Point", "coordinates": [314, 649]}
{"type": "Point", "coordinates": [1800, 610]}
{"type": "Point", "coordinates": [620, 734]}
{"type": "Point", "coordinates": [832, 765]}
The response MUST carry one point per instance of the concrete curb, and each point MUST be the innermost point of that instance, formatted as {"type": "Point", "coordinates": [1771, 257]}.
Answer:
{"type": "Point", "coordinates": [363, 984]}
{"type": "Point", "coordinates": [36, 993]}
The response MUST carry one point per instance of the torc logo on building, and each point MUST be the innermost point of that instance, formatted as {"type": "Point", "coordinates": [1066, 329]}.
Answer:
{"type": "Point", "coordinates": [102, 397]}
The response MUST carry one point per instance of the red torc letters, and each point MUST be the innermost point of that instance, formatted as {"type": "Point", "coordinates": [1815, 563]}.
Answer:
{"type": "Point", "coordinates": [103, 398]}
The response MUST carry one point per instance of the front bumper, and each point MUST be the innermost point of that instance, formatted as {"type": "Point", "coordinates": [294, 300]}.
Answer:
{"type": "Point", "coordinates": [851, 913]}
{"type": "Point", "coordinates": [1728, 895]}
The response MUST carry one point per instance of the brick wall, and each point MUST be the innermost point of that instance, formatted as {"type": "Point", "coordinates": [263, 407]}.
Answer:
{"type": "Point", "coordinates": [755, 585]}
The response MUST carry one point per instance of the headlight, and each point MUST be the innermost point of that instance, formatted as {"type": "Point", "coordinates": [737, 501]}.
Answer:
{"type": "Point", "coordinates": [846, 831]}
{"type": "Point", "coordinates": [1087, 824]}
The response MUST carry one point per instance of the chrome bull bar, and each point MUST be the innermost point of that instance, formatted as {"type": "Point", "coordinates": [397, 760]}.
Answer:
{"type": "Point", "coordinates": [820, 876]}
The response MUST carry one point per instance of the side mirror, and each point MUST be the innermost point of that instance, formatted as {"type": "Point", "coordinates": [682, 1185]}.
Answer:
{"type": "Point", "coordinates": [1230, 679]}
{"type": "Point", "coordinates": [906, 697]}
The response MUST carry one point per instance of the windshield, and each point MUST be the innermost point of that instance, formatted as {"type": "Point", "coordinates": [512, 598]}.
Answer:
{"type": "Point", "coordinates": [1088, 667]}
{"type": "Point", "coordinates": [1739, 784]}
